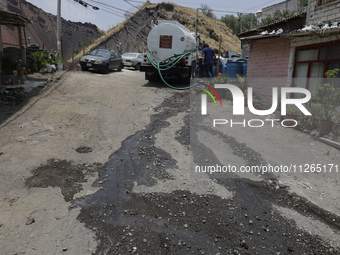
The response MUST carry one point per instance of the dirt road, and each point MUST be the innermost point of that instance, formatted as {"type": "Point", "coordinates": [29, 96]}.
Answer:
{"type": "Point", "coordinates": [107, 164]}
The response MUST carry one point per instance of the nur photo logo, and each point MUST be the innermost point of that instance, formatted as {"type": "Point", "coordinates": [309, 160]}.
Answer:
{"type": "Point", "coordinates": [239, 108]}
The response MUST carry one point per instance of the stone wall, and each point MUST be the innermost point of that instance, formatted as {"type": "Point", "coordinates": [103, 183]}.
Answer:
{"type": "Point", "coordinates": [289, 5]}
{"type": "Point", "coordinates": [323, 13]}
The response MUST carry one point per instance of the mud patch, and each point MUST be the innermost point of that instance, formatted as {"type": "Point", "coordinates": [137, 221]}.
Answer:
{"type": "Point", "coordinates": [183, 222]}
{"type": "Point", "coordinates": [183, 135]}
{"type": "Point", "coordinates": [62, 174]}
{"type": "Point", "coordinates": [84, 150]}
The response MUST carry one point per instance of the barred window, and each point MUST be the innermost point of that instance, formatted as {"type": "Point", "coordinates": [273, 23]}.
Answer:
{"type": "Point", "coordinates": [321, 2]}
{"type": "Point", "coordinates": [313, 61]}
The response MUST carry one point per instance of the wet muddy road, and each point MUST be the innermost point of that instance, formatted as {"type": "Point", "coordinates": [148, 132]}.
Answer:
{"type": "Point", "coordinates": [109, 175]}
{"type": "Point", "coordinates": [181, 221]}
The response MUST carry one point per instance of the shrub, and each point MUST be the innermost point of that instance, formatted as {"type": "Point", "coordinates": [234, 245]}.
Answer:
{"type": "Point", "coordinates": [39, 60]}
{"type": "Point", "coordinates": [8, 63]}
{"type": "Point", "coordinates": [329, 97]}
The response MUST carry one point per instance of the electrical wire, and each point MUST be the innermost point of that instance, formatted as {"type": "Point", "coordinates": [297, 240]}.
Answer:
{"type": "Point", "coordinates": [131, 4]}
{"type": "Point", "coordinates": [102, 9]}
{"type": "Point", "coordinates": [260, 5]}
{"type": "Point", "coordinates": [110, 6]}
{"type": "Point", "coordinates": [136, 1]}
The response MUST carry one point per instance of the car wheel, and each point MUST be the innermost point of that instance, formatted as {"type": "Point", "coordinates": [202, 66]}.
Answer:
{"type": "Point", "coordinates": [120, 67]}
{"type": "Point", "coordinates": [137, 67]}
{"type": "Point", "coordinates": [84, 69]}
{"type": "Point", "coordinates": [106, 69]}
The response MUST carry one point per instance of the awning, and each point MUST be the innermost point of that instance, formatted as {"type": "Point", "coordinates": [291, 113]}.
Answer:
{"type": "Point", "coordinates": [8, 18]}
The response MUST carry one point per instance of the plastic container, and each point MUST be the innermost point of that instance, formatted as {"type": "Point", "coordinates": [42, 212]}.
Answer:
{"type": "Point", "coordinates": [49, 68]}
{"type": "Point", "coordinates": [169, 38]}
{"type": "Point", "coordinates": [244, 68]}
{"type": "Point", "coordinates": [233, 68]}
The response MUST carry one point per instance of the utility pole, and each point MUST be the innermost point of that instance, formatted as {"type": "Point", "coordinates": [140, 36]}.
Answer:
{"type": "Point", "coordinates": [240, 19]}
{"type": "Point", "coordinates": [59, 27]}
{"type": "Point", "coordinates": [23, 27]}
{"type": "Point", "coordinates": [197, 43]}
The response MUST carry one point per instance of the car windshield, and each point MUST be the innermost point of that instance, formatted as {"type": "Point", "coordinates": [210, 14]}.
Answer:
{"type": "Point", "coordinates": [102, 53]}
{"type": "Point", "coordinates": [132, 55]}
{"type": "Point", "coordinates": [93, 52]}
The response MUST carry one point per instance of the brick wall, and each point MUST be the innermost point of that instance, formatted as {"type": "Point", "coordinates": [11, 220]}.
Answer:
{"type": "Point", "coordinates": [268, 62]}
{"type": "Point", "coordinates": [323, 13]}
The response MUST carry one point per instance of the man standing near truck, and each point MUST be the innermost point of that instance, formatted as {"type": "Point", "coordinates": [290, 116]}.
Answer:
{"type": "Point", "coordinates": [208, 60]}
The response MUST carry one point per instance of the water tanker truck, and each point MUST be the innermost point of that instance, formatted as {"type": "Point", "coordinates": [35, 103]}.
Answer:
{"type": "Point", "coordinates": [172, 49]}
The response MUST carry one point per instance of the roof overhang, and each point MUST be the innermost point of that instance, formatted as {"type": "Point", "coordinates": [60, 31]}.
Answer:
{"type": "Point", "coordinates": [8, 18]}
{"type": "Point", "coordinates": [273, 25]}
{"type": "Point", "coordinates": [321, 33]}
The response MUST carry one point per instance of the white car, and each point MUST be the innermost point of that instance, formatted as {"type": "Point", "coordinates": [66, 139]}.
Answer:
{"type": "Point", "coordinates": [132, 59]}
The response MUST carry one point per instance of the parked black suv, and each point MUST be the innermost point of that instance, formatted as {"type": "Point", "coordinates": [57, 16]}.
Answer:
{"type": "Point", "coordinates": [102, 60]}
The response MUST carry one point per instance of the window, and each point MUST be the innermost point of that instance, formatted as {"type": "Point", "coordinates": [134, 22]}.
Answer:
{"type": "Point", "coordinates": [322, 2]}
{"type": "Point", "coordinates": [312, 62]}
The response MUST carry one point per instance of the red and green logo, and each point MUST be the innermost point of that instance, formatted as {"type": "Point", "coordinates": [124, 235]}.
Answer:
{"type": "Point", "coordinates": [208, 92]}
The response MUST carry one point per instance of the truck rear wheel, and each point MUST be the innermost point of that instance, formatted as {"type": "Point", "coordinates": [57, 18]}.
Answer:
{"type": "Point", "coordinates": [185, 78]}
{"type": "Point", "coordinates": [151, 76]}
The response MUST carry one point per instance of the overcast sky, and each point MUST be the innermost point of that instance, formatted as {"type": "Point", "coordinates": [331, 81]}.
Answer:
{"type": "Point", "coordinates": [107, 17]}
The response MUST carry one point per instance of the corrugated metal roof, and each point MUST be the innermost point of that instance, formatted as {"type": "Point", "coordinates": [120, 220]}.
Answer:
{"type": "Point", "coordinates": [301, 15]}
{"type": "Point", "coordinates": [321, 32]}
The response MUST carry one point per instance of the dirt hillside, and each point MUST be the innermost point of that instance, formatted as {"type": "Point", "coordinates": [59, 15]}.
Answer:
{"type": "Point", "coordinates": [132, 33]}
{"type": "Point", "coordinates": [43, 29]}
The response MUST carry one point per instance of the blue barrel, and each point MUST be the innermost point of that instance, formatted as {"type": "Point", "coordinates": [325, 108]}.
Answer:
{"type": "Point", "coordinates": [244, 68]}
{"type": "Point", "coordinates": [234, 68]}
{"type": "Point", "coordinates": [224, 68]}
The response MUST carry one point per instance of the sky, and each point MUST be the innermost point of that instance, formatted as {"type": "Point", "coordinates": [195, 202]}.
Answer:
{"type": "Point", "coordinates": [111, 12]}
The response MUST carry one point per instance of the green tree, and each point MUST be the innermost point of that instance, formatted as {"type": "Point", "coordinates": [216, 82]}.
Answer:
{"type": "Point", "coordinates": [249, 22]}
{"type": "Point", "coordinates": [231, 22]}
{"type": "Point", "coordinates": [276, 17]}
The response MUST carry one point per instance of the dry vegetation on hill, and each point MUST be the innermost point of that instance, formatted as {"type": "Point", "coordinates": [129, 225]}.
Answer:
{"type": "Point", "coordinates": [132, 33]}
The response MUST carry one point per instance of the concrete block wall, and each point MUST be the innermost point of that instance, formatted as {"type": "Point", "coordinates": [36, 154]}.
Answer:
{"type": "Point", "coordinates": [323, 13]}
{"type": "Point", "coordinates": [268, 62]}
{"type": "Point", "coordinates": [288, 5]}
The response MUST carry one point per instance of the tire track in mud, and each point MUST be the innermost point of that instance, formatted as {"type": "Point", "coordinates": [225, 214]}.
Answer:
{"type": "Point", "coordinates": [182, 222]}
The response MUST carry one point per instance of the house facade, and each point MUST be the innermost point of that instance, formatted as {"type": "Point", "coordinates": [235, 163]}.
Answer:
{"type": "Point", "coordinates": [295, 57]}
{"type": "Point", "coordinates": [289, 5]}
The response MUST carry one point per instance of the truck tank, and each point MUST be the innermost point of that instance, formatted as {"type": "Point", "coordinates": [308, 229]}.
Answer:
{"type": "Point", "coordinates": [169, 38]}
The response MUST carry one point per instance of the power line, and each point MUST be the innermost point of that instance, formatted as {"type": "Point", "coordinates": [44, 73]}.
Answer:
{"type": "Point", "coordinates": [110, 6]}
{"type": "Point", "coordinates": [261, 5]}
{"type": "Point", "coordinates": [131, 4]}
{"type": "Point", "coordinates": [223, 11]}
{"type": "Point", "coordinates": [86, 4]}
{"type": "Point", "coordinates": [136, 1]}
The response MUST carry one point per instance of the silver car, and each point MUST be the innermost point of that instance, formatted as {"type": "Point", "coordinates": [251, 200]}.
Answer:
{"type": "Point", "coordinates": [132, 59]}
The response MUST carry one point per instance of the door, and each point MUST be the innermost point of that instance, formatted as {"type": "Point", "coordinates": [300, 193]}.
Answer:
{"type": "Point", "coordinates": [117, 60]}
{"type": "Point", "coordinates": [112, 60]}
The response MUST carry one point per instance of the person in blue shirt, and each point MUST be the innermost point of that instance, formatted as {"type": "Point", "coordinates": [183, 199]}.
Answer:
{"type": "Point", "coordinates": [208, 60]}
